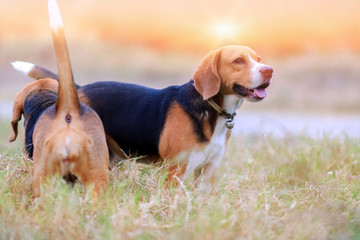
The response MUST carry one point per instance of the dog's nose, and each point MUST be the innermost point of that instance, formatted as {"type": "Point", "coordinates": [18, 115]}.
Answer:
{"type": "Point", "coordinates": [266, 72]}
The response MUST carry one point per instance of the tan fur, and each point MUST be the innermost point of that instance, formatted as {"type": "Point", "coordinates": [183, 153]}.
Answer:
{"type": "Point", "coordinates": [40, 73]}
{"type": "Point", "coordinates": [207, 130]}
{"type": "Point", "coordinates": [207, 80]}
{"type": "Point", "coordinates": [234, 73]}
{"type": "Point", "coordinates": [228, 134]}
{"type": "Point", "coordinates": [83, 99]}
{"type": "Point", "coordinates": [217, 73]}
{"type": "Point", "coordinates": [177, 140]}
{"type": "Point", "coordinates": [68, 138]}
{"type": "Point", "coordinates": [18, 108]}
{"type": "Point", "coordinates": [86, 151]}
{"type": "Point", "coordinates": [178, 134]}
{"type": "Point", "coordinates": [68, 99]}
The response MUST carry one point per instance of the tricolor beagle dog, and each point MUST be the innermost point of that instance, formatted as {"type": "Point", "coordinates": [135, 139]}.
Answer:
{"type": "Point", "coordinates": [186, 125]}
{"type": "Point", "coordinates": [66, 136]}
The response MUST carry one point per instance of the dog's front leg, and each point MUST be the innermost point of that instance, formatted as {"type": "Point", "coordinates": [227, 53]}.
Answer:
{"type": "Point", "coordinates": [206, 179]}
{"type": "Point", "coordinates": [196, 159]}
{"type": "Point", "coordinates": [204, 176]}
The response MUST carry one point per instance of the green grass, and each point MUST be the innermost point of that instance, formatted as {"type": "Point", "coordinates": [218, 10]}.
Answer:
{"type": "Point", "coordinates": [266, 188]}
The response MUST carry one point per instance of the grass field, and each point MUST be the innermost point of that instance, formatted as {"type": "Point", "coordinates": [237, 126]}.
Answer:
{"type": "Point", "coordinates": [294, 187]}
{"type": "Point", "coordinates": [266, 188]}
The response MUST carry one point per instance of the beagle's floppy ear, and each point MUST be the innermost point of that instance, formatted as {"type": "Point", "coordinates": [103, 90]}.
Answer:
{"type": "Point", "coordinates": [206, 77]}
{"type": "Point", "coordinates": [18, 110]}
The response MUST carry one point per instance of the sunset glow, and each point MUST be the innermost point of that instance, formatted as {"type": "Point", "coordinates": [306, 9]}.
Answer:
{"type": "Point", "coordinates": [202, 25]}
{"type": "Point", "coordinates": [224, 29]}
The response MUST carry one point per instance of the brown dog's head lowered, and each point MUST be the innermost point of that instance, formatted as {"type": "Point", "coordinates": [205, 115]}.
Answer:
{"type": "Point", "coordinates": [233, 70]}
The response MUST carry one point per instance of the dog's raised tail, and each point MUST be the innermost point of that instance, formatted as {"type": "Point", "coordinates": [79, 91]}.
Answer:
{"type": "Point", "coordinates": [67, 100]}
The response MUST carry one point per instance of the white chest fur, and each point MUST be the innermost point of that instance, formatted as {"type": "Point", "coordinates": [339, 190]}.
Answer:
{"type": "Point", "coordinates": [210, 156]}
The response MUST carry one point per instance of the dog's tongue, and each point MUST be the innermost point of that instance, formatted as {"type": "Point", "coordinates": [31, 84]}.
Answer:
{"type": "Point", "coordinates": [260, 93]}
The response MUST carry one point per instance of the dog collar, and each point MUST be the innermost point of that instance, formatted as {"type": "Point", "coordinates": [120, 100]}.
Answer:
{"type": "Point", "coordinates": [228, 116]}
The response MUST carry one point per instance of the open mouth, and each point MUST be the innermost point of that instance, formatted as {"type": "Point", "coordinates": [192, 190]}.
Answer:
{"type": "Point", "coordinates": [255, 94]}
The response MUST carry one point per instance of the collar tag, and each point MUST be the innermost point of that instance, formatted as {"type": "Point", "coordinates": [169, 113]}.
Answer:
{"type": "Point", "coordinates": [230, 121]}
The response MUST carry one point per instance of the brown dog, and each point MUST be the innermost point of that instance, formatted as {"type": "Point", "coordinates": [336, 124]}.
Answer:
{"type": "Point", "coordinates": [67, 137]}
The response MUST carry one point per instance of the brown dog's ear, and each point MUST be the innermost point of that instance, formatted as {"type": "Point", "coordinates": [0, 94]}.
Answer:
{"type": "Point", "coordinates": [206, 77]}
{"type": "Point", "coordinates": [18, 110]}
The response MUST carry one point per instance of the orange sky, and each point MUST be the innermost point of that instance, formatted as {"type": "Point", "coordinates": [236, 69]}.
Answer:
{"type": "Point", "coordinates": [275, 27]}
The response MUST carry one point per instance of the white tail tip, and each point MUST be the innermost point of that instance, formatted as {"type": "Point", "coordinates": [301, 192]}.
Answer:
{"type": "Point", "coordinates": [24, 67]}
{"type": "Point", "coordinates": [54, 15]}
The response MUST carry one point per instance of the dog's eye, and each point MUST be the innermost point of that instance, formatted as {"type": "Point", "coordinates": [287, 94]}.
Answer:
{"type": "Point", "coordinates": [239, 61]}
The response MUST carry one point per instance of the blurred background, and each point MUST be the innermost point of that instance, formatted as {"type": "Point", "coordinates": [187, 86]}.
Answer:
{"type": "Point", "coordinates": [313, 46]}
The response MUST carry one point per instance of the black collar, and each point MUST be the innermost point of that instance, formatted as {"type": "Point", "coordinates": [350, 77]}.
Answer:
{"type": "Point", "coordinates": [228, 116]}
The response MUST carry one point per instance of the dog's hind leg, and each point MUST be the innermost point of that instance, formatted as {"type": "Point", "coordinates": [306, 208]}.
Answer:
{"type": "Point", "coordinates": [38, 179]}
{"type": "Point", "coordinates": [95, 179]}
